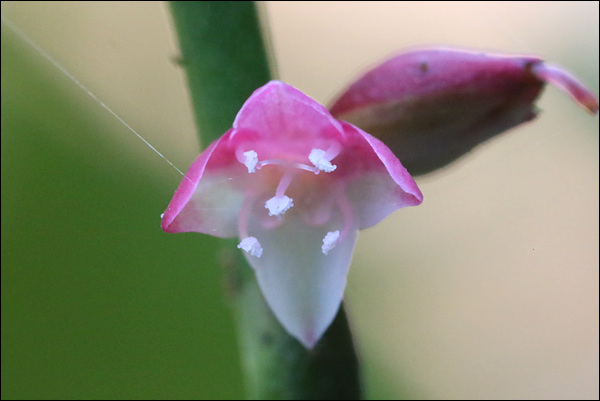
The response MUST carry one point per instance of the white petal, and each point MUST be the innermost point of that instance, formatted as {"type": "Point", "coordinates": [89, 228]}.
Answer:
{"type": "Point", "coordinates": [303, 287]}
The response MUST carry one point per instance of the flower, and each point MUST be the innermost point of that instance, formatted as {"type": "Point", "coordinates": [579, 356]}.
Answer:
{"type": "Point", "coordinates": [431, 106]}
{"type": "Point", "coordinates": [295, 185]}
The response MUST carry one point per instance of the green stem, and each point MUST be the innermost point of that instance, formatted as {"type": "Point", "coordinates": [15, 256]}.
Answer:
{"type": "Point", "coordinates": [225, 60]}
{"type": "Point", "coordinates": [224, 57]}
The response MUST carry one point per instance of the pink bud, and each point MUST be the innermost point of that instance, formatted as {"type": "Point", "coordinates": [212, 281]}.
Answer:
{"type": "Point", "coordinates": [431, 106]}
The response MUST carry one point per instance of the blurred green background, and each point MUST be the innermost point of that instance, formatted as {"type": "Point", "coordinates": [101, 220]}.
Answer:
{"type": "Point", "coordinates": [97, 301]}
{"type": "Point", "coordinates": [487, 290]}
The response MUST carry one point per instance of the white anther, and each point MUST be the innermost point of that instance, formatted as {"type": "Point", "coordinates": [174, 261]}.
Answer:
{"type": "Point", "coordinates": [252, 246]}
{"type": "Point", "coordinates": [278, 205]}
{"type": "Point", "coordinates": [317, 157]}
{"type": "Point", "coordinates": [250, 160]}
{"type": "Point", "coordinates": [329, 242]}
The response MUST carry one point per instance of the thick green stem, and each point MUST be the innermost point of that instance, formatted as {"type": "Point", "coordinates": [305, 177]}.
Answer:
{"type": "Point", "coordinates": [277, 366]}
{"type": "Point", "coordinates": [225, 60]}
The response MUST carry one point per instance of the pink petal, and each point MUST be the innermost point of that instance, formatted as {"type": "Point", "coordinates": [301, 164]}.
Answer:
{"type": "Point", "coordinates": [568, 83]}
{"type": "Point", "coordinates": [384, 186]}
{"type": "Point", "coordinates": [173, 220]}
{"type": "Point", "coordinates": [282, 113]}
{"type": "Point", "coordinates": [210, 196]}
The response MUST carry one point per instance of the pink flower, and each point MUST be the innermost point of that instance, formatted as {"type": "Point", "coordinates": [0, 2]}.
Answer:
{"type": "Point", "coordinates": [431, 106]}
{"type": "Point", "coordinates": [295, 185]}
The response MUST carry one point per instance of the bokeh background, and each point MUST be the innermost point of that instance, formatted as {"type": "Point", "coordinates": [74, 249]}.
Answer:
{"type": "Point", "coordinates": [487, 290]}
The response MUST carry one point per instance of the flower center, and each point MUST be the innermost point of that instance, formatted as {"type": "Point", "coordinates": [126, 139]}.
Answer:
{"type": "Point", "coordinates": [320, 161]}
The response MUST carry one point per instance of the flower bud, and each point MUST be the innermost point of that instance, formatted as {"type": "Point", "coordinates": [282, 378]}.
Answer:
{"type": "Point", "coordinates": [431, 106]}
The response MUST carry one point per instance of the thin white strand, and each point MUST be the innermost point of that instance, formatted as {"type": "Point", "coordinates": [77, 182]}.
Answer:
{"type": "Point", "coordinates": [56, 64]}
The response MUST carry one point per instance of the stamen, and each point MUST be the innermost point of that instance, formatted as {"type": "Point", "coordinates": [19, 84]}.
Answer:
{"type": "Point", "coordinates": [333, 238]}
{"type": "Point", "coordinates": [278, 205]}
{"type": "Point", "coordinates": [320, 158]}
{"type": "Point", "coordinates": [330, 241]}
{"type": "Point", "coordinates": [333, 150]}
{"type": "Point", "coordinates": [250, 160]}
{"type": "Point", "coordinates": [252, 246]}
{"type": "Point", "coordinates": [285, 182]}
{"type": "Point", "coordinates": [278, 162]}
{"type": "Point", "coordinates": [268, 162]}
{"type": "Point", "coordinates": [345, 207]}
{"type": "Point", "coordinates": [306, 167]}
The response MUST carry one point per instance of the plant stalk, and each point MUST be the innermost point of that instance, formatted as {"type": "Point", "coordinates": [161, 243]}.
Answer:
{"type": "Point", "coordinates": [224, 55]}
